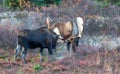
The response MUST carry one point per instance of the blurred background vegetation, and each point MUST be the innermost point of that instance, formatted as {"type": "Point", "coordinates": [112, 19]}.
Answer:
{"type": "Point", "coordinates": [104, 3]}
{"type": "Point", "coordinates": [28, 3]}
{"type": "Point", "coordinates": [14, 4]}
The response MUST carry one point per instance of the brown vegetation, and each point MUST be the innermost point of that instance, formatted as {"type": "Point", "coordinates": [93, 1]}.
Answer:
{"type": "Point", "coordinates": [101, 62]}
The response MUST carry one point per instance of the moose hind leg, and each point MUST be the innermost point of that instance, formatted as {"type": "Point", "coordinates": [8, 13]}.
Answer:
{"type": "Point", "coordinates": [17, 50]}
{"type": "Point", "coordinates": [23, 55]}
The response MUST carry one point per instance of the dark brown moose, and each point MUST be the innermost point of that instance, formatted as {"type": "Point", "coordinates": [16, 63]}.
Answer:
{"type": "Point", "coordinates": [31, 39]}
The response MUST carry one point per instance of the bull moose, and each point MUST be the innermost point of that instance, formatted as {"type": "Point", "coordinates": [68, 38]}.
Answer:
{"type": "Point", "coordinates": [69, 32]}
{"type": "Point", "coordinates": [39, 38]}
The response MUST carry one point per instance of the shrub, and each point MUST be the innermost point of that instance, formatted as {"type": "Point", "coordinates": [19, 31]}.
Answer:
{"type": "Point", "coordinates": [104, 3]}
{"type": "Point", "coordinates": [20, 72]}
{"type": "Point", "coordinates": [7, 36]}
{"type": "Point", "coordinates": [37, 67]}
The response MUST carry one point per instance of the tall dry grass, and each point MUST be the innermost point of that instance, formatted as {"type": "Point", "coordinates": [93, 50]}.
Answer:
{"type": "Point", "coordinates": [8, 36]}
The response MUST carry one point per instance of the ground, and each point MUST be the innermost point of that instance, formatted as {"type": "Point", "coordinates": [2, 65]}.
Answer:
{"type": "Point", "coordinates": [98, 62]}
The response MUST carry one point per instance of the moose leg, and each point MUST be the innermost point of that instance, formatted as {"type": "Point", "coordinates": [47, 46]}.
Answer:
{"type": "Point", "coordinates": [50, 50]}
{"type": "Point", "coordinates": [24, 52]}
{"type": "Point", "coordinates": [75, 44]}
{"type": "Point", "coordinates": [74, 47]}
{"type": "Point", "coordinates": [54, 50]}
{"type": "Point", "coordinates": [17, 50]}
{"type": "Point", "coordinates": [77, 41]}
{"type": "Point", "coordinates": [41, 55]}
{"type": "Point", "coordinates": [68, 47]}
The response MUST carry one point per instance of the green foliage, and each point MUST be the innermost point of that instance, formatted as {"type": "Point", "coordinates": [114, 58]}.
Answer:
{"type": "Point", "coordinates": [45, 2]}
{"type": "Point", "coordinates": [117, 2]}
{"type": "Point", "coordinates": [37, 67]}
{"type": "Point", "coordinates": [104, 3]}
{"type": "Point", "coordinates": [52, 1]}
{"type": "Point", "coordinates": [27, 3]}
{"type": "Point", "coordinates": [32, 60]}
{"type": "Point", "coordinates": [44, 58]}
{"type": "Point", "coordinates": [20, 72]}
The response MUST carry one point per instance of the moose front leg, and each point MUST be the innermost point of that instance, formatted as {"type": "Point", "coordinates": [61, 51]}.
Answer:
{"type": "Point", "coordinates": [17, 50]}
{"type": "Point", "coordinates": [77, 41]}
{"type": "Point", "coordinates": [68, 47]}
{"type": "Point", "coordinates": [51, 56]}
{"type": "Point", "coordinates": [41, 55]}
